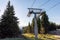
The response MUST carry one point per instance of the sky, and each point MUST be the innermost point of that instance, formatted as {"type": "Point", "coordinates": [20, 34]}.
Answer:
{"type": "Point", "coordinates": [21, 9]}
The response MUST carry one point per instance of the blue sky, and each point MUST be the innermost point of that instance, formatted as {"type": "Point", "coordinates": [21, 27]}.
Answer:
{"type": "Point", "coordinates": [21, 10]}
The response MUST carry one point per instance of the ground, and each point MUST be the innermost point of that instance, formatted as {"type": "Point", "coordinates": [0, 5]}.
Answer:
{"type": "Point", "coordinates": [29, 36]}
{"type": "Point", "coordinates": [40, 36]}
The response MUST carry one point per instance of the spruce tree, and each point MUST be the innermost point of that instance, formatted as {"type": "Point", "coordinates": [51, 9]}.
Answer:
{"type": "Point", "coordinates": [9, 22]}
{"type": "Point", "coordinates": [45, 21]}
{"type": "Point", "coordinates": [32, 26]}
{"type": "Point", "coordinates": [25, 29]}
{"type": "Point", "coordinates": [38, 24]}
{"type": "Point", "coordinates": [29, 27]}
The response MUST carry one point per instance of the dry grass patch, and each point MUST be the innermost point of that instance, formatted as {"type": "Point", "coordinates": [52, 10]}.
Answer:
{"type": "Point", "coordinates": [40, 36]}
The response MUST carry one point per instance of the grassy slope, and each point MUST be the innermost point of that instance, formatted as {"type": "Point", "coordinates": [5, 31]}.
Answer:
{"type": "Point", "coordinates": [40, 36]}
{"type": "Point", "coordinates": [29, 36]}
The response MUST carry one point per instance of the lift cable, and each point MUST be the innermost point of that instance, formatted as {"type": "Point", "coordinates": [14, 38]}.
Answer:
{"type": "Point", "coordinates": [45, 3]}
{"type": "Point", "coordinates": [53, 6]}
{"type": "Point", "coordinates": [33, 3]}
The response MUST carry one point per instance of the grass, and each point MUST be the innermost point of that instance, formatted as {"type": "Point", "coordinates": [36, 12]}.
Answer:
{"type": "Point", "coordinates": [40, 36]}
{"type": "Point", "coordinates": [29, 36]}
{"type": "Point", "coordinates": [13, 39]}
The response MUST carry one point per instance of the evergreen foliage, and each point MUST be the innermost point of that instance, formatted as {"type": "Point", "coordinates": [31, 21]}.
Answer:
{"type": "Point", "coordinates": [9, 23]}
{"type": "Point", "coordinates": [43, 24]}
{"type": "Point", "coordinates": [29, 28]}
{"type": "Point", "coordinates": [45, 21]}
{"type": "Point", "coordinates": [38, 24]}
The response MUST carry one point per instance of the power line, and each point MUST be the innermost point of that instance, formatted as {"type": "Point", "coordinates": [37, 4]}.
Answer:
{"type": "Point", "coordinates": [45, 3]}
{"type": "Point", "coordinates": [40, 5]}
{"type": "Point", "coordinates": [33, 3]}
{"type": "Point", "coordinates": [53, 6]}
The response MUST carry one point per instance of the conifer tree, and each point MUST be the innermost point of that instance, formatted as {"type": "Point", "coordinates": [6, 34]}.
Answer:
{"type": "Point", "coordinates": [29, 27]}
{"type": "Point", "coordinates": [9, 22]}
{"type": "Point", "coordinates": [32, 26]}
{"type": "Point", "coordinates": [38, 24]}
{"type": "Point", "coordinates": [45, 21]}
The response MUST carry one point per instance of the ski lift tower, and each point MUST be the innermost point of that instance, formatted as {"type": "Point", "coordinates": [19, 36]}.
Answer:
{"type": "Point", "coordinates": [35, 11]}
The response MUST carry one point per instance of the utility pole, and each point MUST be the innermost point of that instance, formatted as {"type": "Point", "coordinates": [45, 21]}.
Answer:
{"type": "Point", "coordinates": [35, 11]}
